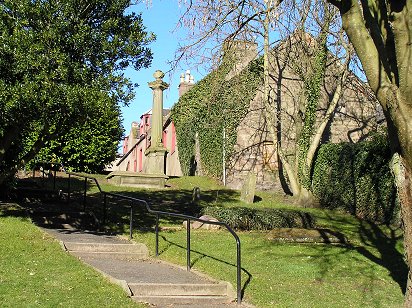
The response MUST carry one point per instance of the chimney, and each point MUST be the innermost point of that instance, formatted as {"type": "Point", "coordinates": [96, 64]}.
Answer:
{"type": "Point", "coordinates": [240, 50]}
{"type": "Point", "coordinates": [239, 53]}
{"type": "Point", "coordinates": [187, 81]}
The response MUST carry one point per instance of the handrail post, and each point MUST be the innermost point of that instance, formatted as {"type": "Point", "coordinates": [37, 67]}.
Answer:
{"type": "Point", "coordinates": [239, 277]}
{"type": "Point", "coordinates": [104, 207]}
{"type": "Point", "coordinates": [188, 244]}
{"type": "Point", "coordinates": [131, 222]}
{"type": "Point", "coordinates": [42, 178]}
{"type": "Point", "coordinates": [68, 193]}
{"type": "Point", "coordinates": [84, 194]}
{"type": "Point", "coordinates": [157, 235]}
{"type": "Point", "coordinates": [54, 179]}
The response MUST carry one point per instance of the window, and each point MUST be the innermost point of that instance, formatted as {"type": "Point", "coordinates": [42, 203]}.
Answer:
{"type": "Point", "coordinates": [125, 142]}
{"type": "Point", "coordinates": [141, 160]}
{"type": "Point", "coordinates": [164, 138]}
{"type": "Point", "coordinates": [173, 147]}
{"type": "Point", "coordinates": [141, 130]}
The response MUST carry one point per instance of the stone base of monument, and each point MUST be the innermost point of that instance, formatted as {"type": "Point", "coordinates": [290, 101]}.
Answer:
{"type": "Point", "coordinates": [297, 235]}
{"type": "Point", "coordinates": [134, 179]}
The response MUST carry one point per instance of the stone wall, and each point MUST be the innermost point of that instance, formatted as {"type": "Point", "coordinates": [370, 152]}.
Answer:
{"type": "Point", "coordinates": [355, 116]}
{"type": "Point", "coordinates": [172, 155]}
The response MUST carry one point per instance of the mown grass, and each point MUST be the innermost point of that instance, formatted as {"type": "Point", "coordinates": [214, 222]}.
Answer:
{"type": "Point", "coordinates": [368, 271]}
{"type": "Point", "coordinates": [292, 275]}
{"type": "Point", "coordinates": [36, 272]}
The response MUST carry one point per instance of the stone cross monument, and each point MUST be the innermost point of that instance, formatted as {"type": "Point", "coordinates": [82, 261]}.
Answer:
{"type": "Point", "coordinates": [155, 163]}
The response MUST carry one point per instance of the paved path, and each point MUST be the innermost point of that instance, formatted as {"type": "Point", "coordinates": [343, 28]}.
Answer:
{"type": "Point", "coordinates": [128, 264]}
{"type": "Point", "coordinates": [138, 275]}
{"type": "Point", "coordinates": [133, 270]}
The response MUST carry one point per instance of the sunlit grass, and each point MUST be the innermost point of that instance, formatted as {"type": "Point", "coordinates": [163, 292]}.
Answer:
{"type": "Point", "coordinates": [36, 272]}
{"type": "Point", "coordinates": [368, 271]}
{"type": "Point", "coordinates": [286, 275]}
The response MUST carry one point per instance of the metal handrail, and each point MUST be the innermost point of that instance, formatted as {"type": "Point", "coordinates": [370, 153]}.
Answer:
{"type": "Point", "coordinates": [158, 214]}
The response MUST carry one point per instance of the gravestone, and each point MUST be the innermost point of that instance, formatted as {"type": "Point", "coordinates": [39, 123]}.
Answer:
{"type": "Point", "coordinates": [248, 189]}
{"type": "Point", "coordinates": [196, 195]}
{"type": "Point", "coordinates": [200, 225]}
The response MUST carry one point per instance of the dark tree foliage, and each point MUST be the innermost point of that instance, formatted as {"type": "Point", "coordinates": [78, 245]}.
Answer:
{"type": "Point", "coordinates": [60, 62]}
{"type": "Point", "coordinates": [88, 147]}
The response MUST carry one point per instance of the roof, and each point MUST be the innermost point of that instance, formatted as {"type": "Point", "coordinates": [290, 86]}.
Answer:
{"type": "Point", "coordinates": [131, 149]}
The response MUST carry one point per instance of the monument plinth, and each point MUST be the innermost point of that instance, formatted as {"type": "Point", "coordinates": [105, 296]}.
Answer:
{"type": "Point", "coordinates": [156, 153]}
{"type": "Point", "coordinates": [153, 174]}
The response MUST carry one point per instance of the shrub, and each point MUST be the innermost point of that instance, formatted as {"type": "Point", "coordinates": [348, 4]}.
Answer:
{"type": "Point", "coordinates": [243, 218]}
{"type": "Point", "coordinates": [356, 178]}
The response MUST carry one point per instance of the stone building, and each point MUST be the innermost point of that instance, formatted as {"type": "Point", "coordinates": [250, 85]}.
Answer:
{"type": "Point", "coordinates": [355, 116]}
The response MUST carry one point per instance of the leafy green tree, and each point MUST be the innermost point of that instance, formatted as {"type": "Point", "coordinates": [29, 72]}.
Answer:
{"type": "Point", "coordinates": [90, 146]}
{"type": "Point", "coordinates": [59, 60]}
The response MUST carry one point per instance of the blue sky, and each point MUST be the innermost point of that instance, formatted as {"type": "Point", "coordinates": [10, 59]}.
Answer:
{"type": "Point", "coordinates": [160, 18]}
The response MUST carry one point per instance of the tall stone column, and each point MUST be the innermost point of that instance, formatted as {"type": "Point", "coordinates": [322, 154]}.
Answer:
{"type": "Point", "coordinates": [156, 152]}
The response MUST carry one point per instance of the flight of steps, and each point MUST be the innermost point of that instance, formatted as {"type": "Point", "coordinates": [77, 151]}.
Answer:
{"type": "Point", "coordinates": [128, 264]}
{"type": "Point", "coordinates": [148, 280]}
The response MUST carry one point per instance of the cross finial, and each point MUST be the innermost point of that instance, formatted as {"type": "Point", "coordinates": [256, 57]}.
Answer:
{"type": "Point", "coordinates": [158, 75]}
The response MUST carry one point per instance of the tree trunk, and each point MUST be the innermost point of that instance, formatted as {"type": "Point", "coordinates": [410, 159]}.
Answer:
{"type": "Point", "coordinates": [292, 176]}
{"type": "Point", "coordinates": [402, 173]}
{"type": "Point", "coordinates": [6, 141]}
{"type": "Point", "coordinates": [306, 198]}
{"type": "Point", "coordinates": [272, 115]}
{"type": "Point", "coordinates": [406, 201]}
{"type": "Point", "coordinates": [403, 127]}
{"type": "Point", "coordinates": [381, 32]}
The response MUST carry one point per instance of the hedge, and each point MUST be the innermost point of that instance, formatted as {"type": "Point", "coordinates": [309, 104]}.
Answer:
{"type": "Point", "coordinates": [356, 178]}
{"type": "Point", "coordinates": [244, 218]}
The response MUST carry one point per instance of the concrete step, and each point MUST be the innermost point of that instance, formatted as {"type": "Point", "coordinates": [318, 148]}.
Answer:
{"type": "Point", "coordinates": [68, 220]}
{"type": "Point", "coordinates": [109, 256]}
{"type": "Point", "coordinates": [185, 301]}
{"type": "Point", "coordinates": [187, 289]}
{"type": "Point", "coordinates": [107, 251]}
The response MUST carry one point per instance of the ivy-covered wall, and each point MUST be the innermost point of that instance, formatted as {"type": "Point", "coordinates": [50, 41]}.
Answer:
{"type": "Point", "coordinates": [356, 178]}
{"type": "Point", "coordinates": [212, 104]}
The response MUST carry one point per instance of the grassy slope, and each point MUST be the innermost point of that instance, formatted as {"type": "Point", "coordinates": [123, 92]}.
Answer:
{"type": "Point", "coordinates": [286, 275]}
{"type": "Point", "coordinates": [36, 272]}
{"type": "Point", "coordinates": [368, 272]}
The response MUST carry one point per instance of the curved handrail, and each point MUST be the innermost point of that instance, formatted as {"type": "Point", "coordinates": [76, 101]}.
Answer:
{"type": "Point", "coordinates": [188, 218]}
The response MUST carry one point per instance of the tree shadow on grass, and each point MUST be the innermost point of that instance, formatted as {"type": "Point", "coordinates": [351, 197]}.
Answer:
{"type": "Point", "coordinates": [10, 209]}
{"type": "Point", "coordinates": [165, 200]}
{"type": "Point", "coordinates": [390, 258]}
{"type": "Point", "coordinates": [377, 245]}
{"type": "Point", "coordinates": [202, 255]}
{"type": "Point", "coordinates": [115, 217]}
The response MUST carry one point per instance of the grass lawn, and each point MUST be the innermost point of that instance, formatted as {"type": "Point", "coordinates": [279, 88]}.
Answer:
{"type": "Point", "coordinates": [369, 271]}
{"type": "Point", "coordinates": [36, 272]}
{"type": "Point", "coordinates": [290, 275]}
